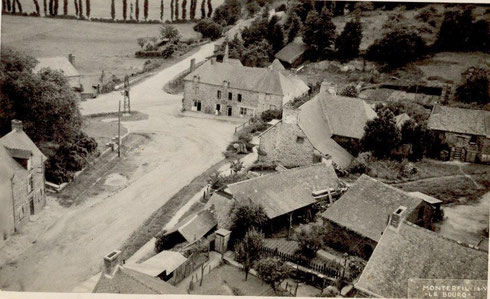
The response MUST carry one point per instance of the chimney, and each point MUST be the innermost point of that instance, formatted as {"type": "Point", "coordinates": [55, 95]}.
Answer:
{"type": "Point", "coordinates": [111, 261]}
{"type": "Point", "coordinates": [227, 53]}
{"type": "Point", "coordinates": [328, 88]}
{"type": "Point", "coordinates": [71, 59]}
{"type": "Point", "coordinates": [396, 218]}
{"type": "Point", "coordinates": [213, 60]}
{"type": "Point", "coordinates": [17, 125]}
{"type": "Point", "coordinates": [193, 65]}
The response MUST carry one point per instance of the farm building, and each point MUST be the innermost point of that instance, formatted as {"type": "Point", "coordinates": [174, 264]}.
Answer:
{"type": "Point", "coordinates": [327, 126]}
{"type": "Point", "coordinates": [291, 56]}
{"type": "Point", "coordinates": [407, 252]}
{"type": "Point", "coordinates": [287, 195]}
{"type": "Point", "coordinates": [169, 266]}
{"type": "Point", "coordinates": [64, 65]}
{"type": "Point", "coordinates": [21, 180]}
{"type": "Point", "coordinates": [230, 89]}
{"type": "Point", "coordinates": [357, 220]}
{"type": "Point", "coordinates": [466, 131]}
{"type": "Point", "coordinates": [119, 279]}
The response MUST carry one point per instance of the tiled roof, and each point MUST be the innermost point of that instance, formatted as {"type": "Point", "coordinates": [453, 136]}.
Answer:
{"type": "Point", "coordinates": [20, 141]}
{"type": "Point", "coordinates": [286, 191]}
{"type": "Point", "coordinates": [195, 226]}
{"type": "Point", "coordinates": [458, 120]}
{"type": "Point", "coordinates": [220, 207]}
{"type": "Point", "coordinates": [277, 65]}
{"type": "Point", "coordinates": [414, 252]}
{"type": "Point", "coordinates": [314, 124]}
{"type": "Point", "coordinates": [59, 63]}
{"type": "Point", "coordinates": [346, 116]}
{"type": "Point", "coordinates": [165, 261]}
{"type": "Point", "coordinates": [8, 166]}
{"type": "Point", "coordinates": [262, 80]}
{"type": "Point", "coordinates": [292, 51]}
{"type": "Point", "coordinates": [127, 281]}
{"type": "Point", "coordinates": [365, 207]}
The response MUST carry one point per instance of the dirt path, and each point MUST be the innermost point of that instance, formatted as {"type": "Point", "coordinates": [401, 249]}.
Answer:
{"type": "Point", "coordinates": [180, 148]}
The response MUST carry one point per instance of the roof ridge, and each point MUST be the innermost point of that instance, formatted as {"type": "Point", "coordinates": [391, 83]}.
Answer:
{"type": "Point", "coordinates": [388, 186]}
{"type": "Point", "coordinates": [440, 236]}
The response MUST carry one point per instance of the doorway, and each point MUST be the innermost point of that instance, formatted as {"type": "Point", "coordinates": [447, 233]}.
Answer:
{"type": "Point", "coordinates": [218, 107]}
{"type": "Point", "coordinates": [198, 105]}
{"type": "Point", "coordinates": [31, 205]}
{"type": "Point", "coordinates": [229, 113]}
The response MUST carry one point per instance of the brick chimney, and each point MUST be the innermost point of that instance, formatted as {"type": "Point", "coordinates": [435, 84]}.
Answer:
{"type": "Point", "coordinates": [71, 59]}
{"type": "Point", "coordinates": [17, 125]}
{"type": "Point", "coordinates": [396, 218]}
{"type": "Point", "coordinates": [111, 261]}
{"type": "Point", "coordinates": [329, 88]}
{"type": "Point", "coordinates": [193, 65]}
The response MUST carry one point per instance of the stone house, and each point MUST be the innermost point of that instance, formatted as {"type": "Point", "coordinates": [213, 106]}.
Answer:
{"type": "Point", "coordinates": [407, 252]}
{"type": "Point", "coordinates": [64, 65]}
{"type": "Point", "coordinates": [21, 180]}
{"type": "Point", "coordinates": [231, 89]}
{"type": "Point", "coordinates": [357, 220]}
{"type": "Point", "coordinates": [466, 132]}
{"type": "Point", "coordinates": [327, 126]}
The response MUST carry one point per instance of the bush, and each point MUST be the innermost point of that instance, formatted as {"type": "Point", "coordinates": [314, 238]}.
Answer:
{"type": "Point", "coordinates": [381, 135]}
{"type": "Point", "coordinates": [397, 48]}
{"type": "Point", "coordinates": [349, 91]}
{"type": "Point", "coordinates": [474, 86]}
{"type": "Point", "coordinates": [168, 51]}
{"type": "Point", "coordinates": [348, 42]}
{"type": "Point", "coordinates": [361, 163]}
{"type": "Point", "coordinates": [209, 29]}
{"type": "Point", "coordinates": [281, 7]}
{"type": "Point", "coordinates": [271, 114]}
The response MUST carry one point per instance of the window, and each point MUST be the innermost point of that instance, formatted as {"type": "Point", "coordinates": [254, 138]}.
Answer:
{"type": "Point", "coordinates": [243, 111]}
{"type": "Point", "coordinates": [300, 139]}
{"type": "Point", "coordinates": [239, 97]}
{"type": "Point", "coordinates": [219, 94]}
{"type": "Point", "coordinates": [30, 184]}
{"type": "Point", "coordinates": [230, 96]}
{"type": "Point", "coordinates": [473, 139]}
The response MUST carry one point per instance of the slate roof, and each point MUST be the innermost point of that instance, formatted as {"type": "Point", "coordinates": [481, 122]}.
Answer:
{"type": "Point", "coordinates": [256, 79]}
{"type": "Point", "coordinates": [127, 281]}
{"type": "Point", "coordinates": [414, 252]}
{"type": "Point", "coordinates": [346, 116]}
{"type": "Point", "coordinates": [365, 207]}
{"type": "Point", "coordinates": [165, 261]}
{"type": "Point", "coordinates": [286, 191]}
{"type": "Point", "coordinates": [195, 226]}
{"type": "Point", "coordinates": [220, 207]}
{"type": "Point", "coordinates": [18, 141]}
{"type": "Point", "coordinates": [277, 65]}
{"type": "Point", "coordinates": [427, 198]}
{"type": "Point", "coordinates": [314, 124]}
{"type": "Point", "coordinates": [59, 63]}
{"type": "Point", "coordinates": [292, 51]}
{"type": "Point", "coordinates": [458, 120]}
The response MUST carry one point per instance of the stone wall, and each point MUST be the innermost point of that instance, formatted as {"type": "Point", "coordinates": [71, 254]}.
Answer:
{"type": "Point", "coordinates": [207, 94]}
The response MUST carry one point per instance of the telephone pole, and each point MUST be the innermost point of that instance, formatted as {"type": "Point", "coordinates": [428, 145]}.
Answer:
{"type": "Point", "coordinates": [119, 131]}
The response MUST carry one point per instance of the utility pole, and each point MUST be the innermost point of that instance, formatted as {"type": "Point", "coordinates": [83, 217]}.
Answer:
{"type": "Point", "coordinates": [119, 131]}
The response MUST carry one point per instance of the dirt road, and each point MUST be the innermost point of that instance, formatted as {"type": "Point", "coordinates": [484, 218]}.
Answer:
{"type": "Point", "coordinates": [180, 148]}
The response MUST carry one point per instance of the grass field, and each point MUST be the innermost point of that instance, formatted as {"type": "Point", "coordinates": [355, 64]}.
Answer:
{"type": "Point", "coordinates": [102, 8]}
{"type": "Point", "coordinates": [96, 46]}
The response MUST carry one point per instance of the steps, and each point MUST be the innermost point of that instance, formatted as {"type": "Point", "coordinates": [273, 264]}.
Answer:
{"type": "Point", "coordinates": [457, 154]}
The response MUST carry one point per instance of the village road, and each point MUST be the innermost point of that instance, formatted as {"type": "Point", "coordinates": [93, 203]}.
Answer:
{"type": "Point", "coordinates": [179, 149]}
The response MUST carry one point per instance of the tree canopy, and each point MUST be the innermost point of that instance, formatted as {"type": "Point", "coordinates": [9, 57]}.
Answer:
{"type": "Point", "coordinates": [272, 271]}
{"type": "Point", "coordinates": [245, 217]}
{"type": "Point", "coordinates": [381, 135]}
{"type": "Point", "coordinates": [348, 42]}
{"type": "Point", "coordinates": [319, 31]}
{"type": "Point", "coordinates": [474, 86]}
{"type": "Point", "coordinates": [248, 250]}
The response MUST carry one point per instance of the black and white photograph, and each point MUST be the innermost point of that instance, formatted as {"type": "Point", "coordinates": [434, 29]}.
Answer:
{"type": "Point", "coordinates": [258, 148]}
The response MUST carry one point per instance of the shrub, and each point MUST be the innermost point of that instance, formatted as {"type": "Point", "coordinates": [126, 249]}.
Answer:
{"type": "Point", "coordinates": [381, 135]}
{"type": "Point", "coordinates": [245, 217]}
{"type": "Point", "coordinates": [169, 32]}
{"type": "Point", "coordinates": [168, 51]}
{"type": "Point", "coordinates": [348, 42]}
{"type": "Point", "coordinates": [361, 163]}
{"type": "Point", "coordinates": [309, 240]}
{"type": "Point", "coordinates": [474, 86]}
{"type": "Point", "coordinates": [397, 48]}
{"type": "Point", "coordinates": [349, 91]}
{"type": "Point", "coordinates": [271, 114]}
{"type": "Point", "coordinates": [209, 29]}
{"type": "Point", "coordinates": [272, 271]}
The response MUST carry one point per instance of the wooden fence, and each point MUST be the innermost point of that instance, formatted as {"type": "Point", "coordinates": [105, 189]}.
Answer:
{"type": "Point", "coordinates": [326, 269]}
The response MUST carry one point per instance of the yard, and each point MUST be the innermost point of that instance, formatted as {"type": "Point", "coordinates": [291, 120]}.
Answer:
{"type": "Point", "coordinates": [228, 281]}
{"type": "Point", "coordinates": [96, 46]}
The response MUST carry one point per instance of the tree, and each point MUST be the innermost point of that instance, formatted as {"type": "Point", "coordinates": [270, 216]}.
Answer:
{"type": "Point", "coordinates": [203, 9]}
{"type": "Point", "coordinates": [397, 48]}
{"type": "Point", "coordinates": [456, 27]}
{"type": "Point", "coordinates": [113, 10]}
{"type": "Point", "coordinates": [416, 135]}
{"type": "Point", "coordinates": [209, 29]}
{"type": "Point", "coordinates": [145, 10]}
{"type": "Point", "coordinates": [348, 42]}
{"type": "Point", "coordinates": [294, 27]}
{"type": "Point", "coordinates": [55, 7]}
{"type": "Point", "coordinates": [80, 9]}
{"type": "Point", "coordinates": [277, 38]}
{"type": "Point", "coordinates": [258, 54]}
{"type": "Point", "coordinates": [474, 86]}
{"type": "Point", "coordinates": [227, 13]}
{"type": "Point", "coordinates": [245, 217]}
{"type": "Point", "coordinates": [9, 6]}
{"type": "Point", "coordinates": [252, 8]}
{"type": "Point", "coordinates": [309, 240]}
{"type": "Point", "coordinates": [172, 10]}
{"type": "Point", "coordinates": [176, 9]}
{"type": "Point", "coordinates": [87, 8]}
{"type": "Point", "coordinates": [256, 32]}
{"type": "Point", "coordinates": [381, 135]}
{"type": "Point", "coordinates": [45, 6]}
{"type": "Point", "coordinates": [137, 10]}
{"type": "Point", "coordinates": [192, 12]}
{"type": "Point", "coordinates": [169, 32]}
{"type": "Point", "coordinates": [36, 5]}
{"type": "Point", "coordinates": [319, 31]}
{"type": "Point", "coordinates": [272, 271]}
{"type": "Point", "coordinates": [161, 10]}
{"type": "Point", "coordinates": [65, 7]}
{"type": "Point", "coordinates": [76, 7]}
{"type": "Point", "coordinates": [184, 9]}
{"type": "Point", "coordinates": [51, 2]}
{"type": "Point", "coordinates": [248, 250]}
{"type": "Point", "coordinates": [125, 9]}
